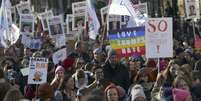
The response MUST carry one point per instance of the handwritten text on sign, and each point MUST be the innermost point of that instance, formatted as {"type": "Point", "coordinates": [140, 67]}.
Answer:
{"type": "Point", "coordinates": [158, 38]}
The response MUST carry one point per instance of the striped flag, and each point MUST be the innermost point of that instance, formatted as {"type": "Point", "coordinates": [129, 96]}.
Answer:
{"type": "Point", "coordinates": [93, 21]}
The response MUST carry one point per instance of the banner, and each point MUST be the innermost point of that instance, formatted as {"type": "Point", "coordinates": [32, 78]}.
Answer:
{"type": "Point", "coordinates": [192, 9]}
{"type": "Point", "coordinates": [128, 42]}
{"type": "Point", "coordinates": [93, 22]}
{"type": "Point", "coordinates": [24, 7]}
{"type": "Point", "coordinates": [79, 15]}
{"type": "Point", "coordinates": [27, 23]}
{"type": "Point", "coordinates": [55, 26]}
{"type": "Point", "coordinates": [37, 70]}
{"type": "Point", "coordinates": [43, 17]}
{"type": "Point", "coordinates": [60, 55]}
{"type": "Point", "coordinates": [31, 43]}
{"type": "Point", "coordinates": [117, 7]}
{"type": "Point", "coordinates": [159, 38]}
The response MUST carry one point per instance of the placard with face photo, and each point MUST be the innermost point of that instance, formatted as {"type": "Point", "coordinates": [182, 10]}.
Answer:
{"type": "Point", "coordinates": [104, 13]}
{"type": "Point", "coordinates": [79, 15]}
{"type": "Point", "coordinates": [44, 16]}
{"type": "Point", "coordinates": [192, 9]}
{"type": "Point", "coordinates": [27, 23]}
{"type": "Point", "coordinates": [24, 7]}
{"type": "Point", "coordinates": [114, 22]}
{"type": "Point", "coordinates": [69, 28]}
{"type": "Point", "coordinates": [55, 26]}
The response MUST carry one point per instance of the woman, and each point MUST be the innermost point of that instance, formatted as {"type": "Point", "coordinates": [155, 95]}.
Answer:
{"type": "Point", "coordinates": [166, 77]}
{"type": "Point", "coordinates": [112, 93]}
{"type": "Point", "coordinates": [58, 79]}
{"type": "Point", "coordinates": [68, 91]}
{"type": "Point", "coordinates": [181, 89]}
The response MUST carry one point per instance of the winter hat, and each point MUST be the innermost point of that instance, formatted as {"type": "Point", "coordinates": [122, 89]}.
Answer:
{"type": "Point", "coordinates": [137, 91]}
{"type": "Point", "coordinates": [68, 62]}
{"type": "Point", "coordinates": [45, 91]}
{"type": "Point", "coordinates": [179, 94]}
{"type": "Point", "coordinates": [59, 68]}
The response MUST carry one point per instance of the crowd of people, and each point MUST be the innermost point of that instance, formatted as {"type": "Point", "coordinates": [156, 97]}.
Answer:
{"type": "Point", "coordinates": [98, 74]}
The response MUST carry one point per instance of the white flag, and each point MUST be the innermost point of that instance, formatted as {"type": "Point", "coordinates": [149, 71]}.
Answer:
{"type": "Point", "coordinates": [94, 24]}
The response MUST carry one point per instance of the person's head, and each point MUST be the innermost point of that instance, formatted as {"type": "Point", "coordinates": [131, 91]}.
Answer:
{"type": "Point", "coordinates": [80, 22]}
{"type": "Point", "coordinates": [112, 55]}
{"type": "Point", "coordinates": [112, 93]}
{"type": "Point", "coordinates": [172, 68]}
{"type": "Point", "coordinates": [59, 72]}
{"type": "Point", "coordinates": [45, 92]}
{"type": "Point", "coordinates": [79, 46]}
{"type": "Point", "coordinates": [99, 75]}
{"type": "Point", "coordinates": [80, 63]}
{"type": "Point", "coordinates": [134, 63]}
{"type": "Point", "coordinates": [13, 94]}
{"type": "Point", "coordinates": [181, 83]}
{"type": "Point", "coordinates": [137, 93]}
{"type": "Point", "coordinates": [80, 77]}
{"type": "Point", "coordinates": [192, 9]}
{"type": "Point", "coordinates": [179, 52]}
{"type": "Point", "coordinates": [97, 53]}
{"type": "Point", "coordinates": [27, 52]}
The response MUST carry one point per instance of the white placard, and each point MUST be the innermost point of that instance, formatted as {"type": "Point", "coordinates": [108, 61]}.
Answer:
{"type": "Point", "coordinates": [25, 71]}
{"type": "Point", "coordinates": [79, 15]}
{"type": "Point", "coordinates": [60, 55]}
{"type": "Point", "coordinates": [24, 7]}
{"type": "Point", "coordinates": [27, 23]}
{"type": "Point", "coordinates": [60, 41]}
{"type": "Point", "coordinates": [104, 14]}
{"type": "Point", "coordinates": [192, 9]}
{"type": "Point", "coordinates": [139, 12]}
{"type": "Point", "coordinates": [43, 17]}
{"type": "Point", "coordinates": [37, 70]}
{"type": "Point", "coordinates": [30, 42]}
{"type": "Point", "coordinates": [55, 26]}
{"type": "Point", "coordinates": [159, 38]}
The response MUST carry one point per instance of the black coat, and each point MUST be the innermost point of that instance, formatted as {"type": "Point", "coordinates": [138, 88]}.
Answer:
{"type": "Point", "coordinates": [118, 75]}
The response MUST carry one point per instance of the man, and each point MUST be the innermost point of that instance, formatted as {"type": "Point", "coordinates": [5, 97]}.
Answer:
{"type": "Point", "coordinates": [116, 72]}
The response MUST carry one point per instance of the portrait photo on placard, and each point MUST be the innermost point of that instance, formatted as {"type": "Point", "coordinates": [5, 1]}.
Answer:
{"type": "Point", "coordinates": [26, 27]}
{"type": "Point", "coordinates": [56, 29]}
{"type": "Point", "coordinates": [79, 21]}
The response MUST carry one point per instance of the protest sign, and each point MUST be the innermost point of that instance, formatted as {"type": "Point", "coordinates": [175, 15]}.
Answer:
{"type": "Point", "coordinates": [93, 22]}
{"type": "Point", "coordinates": [60, 55]}
{"type": "Point", "coordinates": [159, 38]}
{"type": "Point", "coordinates": [25, 71]}
{"type": "Point", "coordinates": [139, 12]}
{"type": "Point", "coordinates": [60, 41]}
{"type": "Point", "coordinates": [117, 7]}
{"type": "Point", "coordinates": [113, 22]}
{"type": "Point", "coordinates": [13, 13]}
{"type": "Point", "coordinates": [27, 23]}
{"type": "Point", "coordinates": [104, 14]}
{"type": "Point", "coordinates": [129, 41]}
{"type": "Point", "coordinates": [70, 32]}
{"type": "Point", "coordinates": [43, 17]}
{"type": "Point", "coordinates": [181, 8]}
{"type": "Point", "coordinates": [192, 9]}
{"type": "Point", "coordinates": [30, 42]}
{"type": "Point", "coordinates": [24, 7]}
{"type": "Point", "coordinates": [79, 14]}
{"type": "Point", "coordinates": [55, 26]}
{"type": "Point", "coordinates": [37, 70]}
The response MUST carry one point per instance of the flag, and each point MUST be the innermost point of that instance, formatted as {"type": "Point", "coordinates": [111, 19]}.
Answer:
{"type": "Point", "coordinates": [9, 33]}
{"type": "Point", "coordinates": [117, 7]}
{"type": "Point", "coordinates": [93, 21]}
